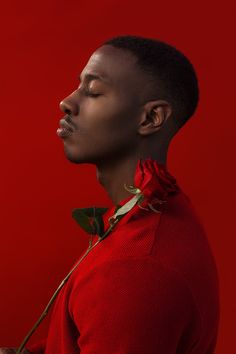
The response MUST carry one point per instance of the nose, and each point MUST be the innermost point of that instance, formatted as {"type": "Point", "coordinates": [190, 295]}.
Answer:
{"type": "Point", "coordinates": [69, 106]}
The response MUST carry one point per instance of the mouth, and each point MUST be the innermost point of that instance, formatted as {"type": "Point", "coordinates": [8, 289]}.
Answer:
{"type": "Point", "coordinates": [65, 129]}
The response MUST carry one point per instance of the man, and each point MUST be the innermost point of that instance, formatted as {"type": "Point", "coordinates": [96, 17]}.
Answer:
{"type": "Point", "coordinates": [151, 286]}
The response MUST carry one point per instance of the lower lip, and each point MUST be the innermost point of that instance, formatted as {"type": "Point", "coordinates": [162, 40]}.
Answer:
{"type": "Point", "coordinates": [63, 132]}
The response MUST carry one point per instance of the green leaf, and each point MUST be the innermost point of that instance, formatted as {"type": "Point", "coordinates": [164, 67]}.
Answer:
{"type": "Point", "coordinates": [129, 205]}
{"type": "Point", "coordinates": [90, 219]}
{"type": "Point", "coordinates": [98, 225]}
{"type": "Point", "coordinates": [94, 211]}
{"type": "Point", "coordinates": [83, 220]}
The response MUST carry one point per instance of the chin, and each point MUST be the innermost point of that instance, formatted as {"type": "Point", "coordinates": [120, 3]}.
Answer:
{"type": "Point", "coordinates": [75, 156]}
{"type": "Point", "coordinates": [72, 155]}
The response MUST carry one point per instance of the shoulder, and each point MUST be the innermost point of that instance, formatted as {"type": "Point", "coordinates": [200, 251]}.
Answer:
{"type": "Point", "coordinates": [135, 304]}
{"type": "Point", "coordinates": [136, 282]}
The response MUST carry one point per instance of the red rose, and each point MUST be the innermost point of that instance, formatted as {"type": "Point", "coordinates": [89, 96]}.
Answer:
{"type": "Point", "coordinates": [154, 181]}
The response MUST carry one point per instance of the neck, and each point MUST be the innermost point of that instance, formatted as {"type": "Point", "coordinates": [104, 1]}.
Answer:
{"type": "Point", "coordinates": [113, 174]}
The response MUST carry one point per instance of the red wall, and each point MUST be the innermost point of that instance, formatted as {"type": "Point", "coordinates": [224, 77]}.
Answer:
{"type": "Point", "coordinates": [44, 46]}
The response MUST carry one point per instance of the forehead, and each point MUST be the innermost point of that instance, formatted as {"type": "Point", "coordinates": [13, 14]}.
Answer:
{"type": "Point", "coordinates": [116, 66]}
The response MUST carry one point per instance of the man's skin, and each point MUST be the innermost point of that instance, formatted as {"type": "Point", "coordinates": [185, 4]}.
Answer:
{"type": "Point", "coordinates": [126, 122]}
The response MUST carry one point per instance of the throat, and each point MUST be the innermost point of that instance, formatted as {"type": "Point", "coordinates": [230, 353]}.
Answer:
{"type": "Point", "coordinates": [113, 177]}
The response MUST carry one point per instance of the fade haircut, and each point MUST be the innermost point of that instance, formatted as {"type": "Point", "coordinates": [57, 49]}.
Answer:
{"type": "Point", "coordinates": [173, 74]}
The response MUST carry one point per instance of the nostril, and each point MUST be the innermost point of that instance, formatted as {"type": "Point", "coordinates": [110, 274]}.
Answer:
{"type": "Point", "coordinates": [64, 107]}
{"type": "Point", "coordinates": [68, 111]}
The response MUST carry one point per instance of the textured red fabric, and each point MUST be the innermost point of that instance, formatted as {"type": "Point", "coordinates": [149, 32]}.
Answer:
{"type": "Point", "coordinates": [150, 287]}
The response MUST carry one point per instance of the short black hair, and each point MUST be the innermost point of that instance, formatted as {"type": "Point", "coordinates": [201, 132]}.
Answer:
{"type": "Point", "coordinates": [173, 74]}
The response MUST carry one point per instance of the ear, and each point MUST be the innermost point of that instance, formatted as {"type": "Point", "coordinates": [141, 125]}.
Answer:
{"type": "Point", "coordinates": [155, 114]}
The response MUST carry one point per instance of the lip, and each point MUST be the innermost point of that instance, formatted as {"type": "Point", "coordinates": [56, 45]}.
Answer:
{"type": "Point", "coordinates": [65, 129]}
{"type": "Point", "coordinates": [64, 124]}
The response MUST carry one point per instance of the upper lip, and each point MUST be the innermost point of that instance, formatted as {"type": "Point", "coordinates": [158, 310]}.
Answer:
{"type": "Point", "coordinates": [65, 124]}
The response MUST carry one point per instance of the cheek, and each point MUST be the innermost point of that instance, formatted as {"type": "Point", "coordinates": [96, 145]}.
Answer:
{"type": "Point", "coordinates": [105, 128]}
{"type": "Point", "coordinates": [109, 116]}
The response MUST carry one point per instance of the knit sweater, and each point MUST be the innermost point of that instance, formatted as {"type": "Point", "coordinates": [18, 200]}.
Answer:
{"type": "Point", "coordinates": [150, 287]}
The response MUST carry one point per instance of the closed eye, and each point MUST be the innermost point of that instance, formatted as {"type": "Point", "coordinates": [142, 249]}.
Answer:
{"type": "Point", "coordinates": [90, 94]}
{"type": "Point", "coordinates": [86, 91]}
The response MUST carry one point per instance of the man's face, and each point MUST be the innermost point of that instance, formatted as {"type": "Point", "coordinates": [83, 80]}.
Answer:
{"type": "Point", "coordinates": [105, 108]}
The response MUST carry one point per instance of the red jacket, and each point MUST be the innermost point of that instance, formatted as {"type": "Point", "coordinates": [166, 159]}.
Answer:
{"type": "Point", "coordinates": [150, 287]}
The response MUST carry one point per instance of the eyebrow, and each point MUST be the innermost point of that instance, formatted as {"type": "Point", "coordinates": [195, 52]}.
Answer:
{"type": "Point", "coordinates": [91, 77]}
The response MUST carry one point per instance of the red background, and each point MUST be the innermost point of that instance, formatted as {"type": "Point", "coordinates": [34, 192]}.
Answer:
{"type": "Point", "coordinates": [44, 46]}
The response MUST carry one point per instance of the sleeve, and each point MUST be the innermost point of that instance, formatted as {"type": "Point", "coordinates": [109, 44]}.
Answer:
{"type": "Point", "coordinates": [131, 306]}
{"type": "Point", "coordinates": [37, 348]}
